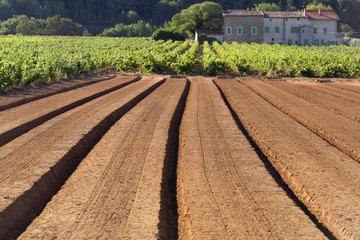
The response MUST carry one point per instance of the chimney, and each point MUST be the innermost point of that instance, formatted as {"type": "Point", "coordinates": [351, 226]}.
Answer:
{"type": "Point", "coordinates": [319, 11]}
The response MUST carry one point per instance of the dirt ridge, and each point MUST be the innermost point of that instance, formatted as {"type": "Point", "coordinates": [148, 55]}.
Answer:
{"type": "Point", "coordinates": [13, 133]}
{"type": "Point", "coordinates": [25, 208]}
{"type": "Point", "coordinates": [333, 140]}
{"type": "Point", "coordinates": [271, 168]}
{"type": "Point", "coordinates": [328, 107]}
{"type": "Point", "coordinates": [36, 96]}
{"type": "Point", "coordinates": [306, 197]}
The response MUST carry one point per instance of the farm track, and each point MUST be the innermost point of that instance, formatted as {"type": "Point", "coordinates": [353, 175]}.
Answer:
{"type": "Point", "coordinates": [320, 175]}
{"type": "Point", "coordinates": [156, 158]}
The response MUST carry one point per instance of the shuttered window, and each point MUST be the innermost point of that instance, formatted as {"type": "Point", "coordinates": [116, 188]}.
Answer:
{"type": "Point", "coordinates": [228, 30]}
{"type": "Point", "coordinates": [253, 30]}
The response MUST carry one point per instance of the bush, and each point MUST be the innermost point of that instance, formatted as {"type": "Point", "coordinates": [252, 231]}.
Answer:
{"type": "Point", "coordinates": [168, 34]}
{"type": "Point", "coordinates": [139, 29]}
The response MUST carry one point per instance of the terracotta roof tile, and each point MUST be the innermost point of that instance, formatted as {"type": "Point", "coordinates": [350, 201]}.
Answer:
{"type": "Point", "coordinates": [322, 15]}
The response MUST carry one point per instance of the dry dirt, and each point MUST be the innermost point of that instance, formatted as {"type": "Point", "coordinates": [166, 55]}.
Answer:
{"type": "Point", "coordinates": [159, 157]}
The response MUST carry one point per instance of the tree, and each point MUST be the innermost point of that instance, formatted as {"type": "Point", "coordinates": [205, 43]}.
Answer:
{"type": "Point", "coordinates": [205, 15]}
{"type": "Point", "coordinates": [63, 27]}
{"type": "Point", "coordinates": [314, 6]}
{"type": "Point", "coordinates": [9, 26]}
{"type": "Point", "coordinates": [265, 7]}
{"type": "Point", "coordinates": [29, 27]}
{"type": "Point", "coordinates": [168, 34]}
{"type": "Point", "coordinates": [139, 29]}
{"type": "Point", "coordinates": [163, 11]}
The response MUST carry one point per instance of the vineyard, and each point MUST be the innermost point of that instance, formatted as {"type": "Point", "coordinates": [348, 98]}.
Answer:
{"type": "Point", "coordinates": [24, 60]}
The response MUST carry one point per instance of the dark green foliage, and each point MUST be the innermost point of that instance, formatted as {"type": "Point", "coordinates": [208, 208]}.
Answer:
{"type": "Point", "coordinates": [168, 34]}
{"type": "Point", "coordinates": [205, 15]}
{"type": "Point", "coordinates": [204, 38]}
{"type": "Point", "coordinates": [100, 14]}
{"type": "Point", "coordinates": [56, 25]}
{"type": "Point", "coordinates": [62, 27]}
{"type": "Point", "coordinates": [139, 29]}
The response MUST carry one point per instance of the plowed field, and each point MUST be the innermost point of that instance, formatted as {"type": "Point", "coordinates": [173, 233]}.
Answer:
{"type": "Point", "coordinates": [159, 157]}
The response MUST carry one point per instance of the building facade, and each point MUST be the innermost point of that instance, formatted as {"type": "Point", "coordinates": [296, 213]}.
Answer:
{"type": "Point", "coordinates": [243, 26]}
{"type": "Point", "coordinates": [308, 27]}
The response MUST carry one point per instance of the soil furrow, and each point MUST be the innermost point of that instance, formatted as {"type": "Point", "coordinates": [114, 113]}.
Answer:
{"type": "Point", "coordinates": [19, 97]}
{"type": "Point", "coordinates": [27, 192]}
{"type": "Point", "coordinates": [116, 190]}
{"type": "Point", "coordinates": [321, 176]}
{"type": "Point", "coordinates": [20, 120]}
{"type": "Point", "coordinates": [346, 109]}
{"type": "Point", "coordinates": [225, 191]}
{"type": "Point", "coordinates": [42, 143]}
{"type": "Point", "coordinates": [346, 86]}
{"type": "Point", "coordinates": [338, 93]}
{"type": "Point", "coordinates": [334, 128]}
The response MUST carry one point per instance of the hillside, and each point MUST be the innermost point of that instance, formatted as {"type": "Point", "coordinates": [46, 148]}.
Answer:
{"type": "Point", "coordinates": [99, 14]}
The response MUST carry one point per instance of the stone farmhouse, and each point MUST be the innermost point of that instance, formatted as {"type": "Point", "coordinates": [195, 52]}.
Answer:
{"type": "Point", "coordinates": [307, 27]}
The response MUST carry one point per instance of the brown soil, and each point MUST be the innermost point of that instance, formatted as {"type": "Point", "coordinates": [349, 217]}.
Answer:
{"type": "Point", "coordinates": [320, 175]}
{"type": "Point", "coordinates": [109, 159]}
{"type": "Point", "coordinates": [225, 190]}
{"type": "Point", "coordinates": [16, 97]}
{"type": "Point", "coordinates": [21, 119]}
{"type": "Point", "coordinates": [38, 166]}
{"type": "Point", "coordinates": [115, 191]}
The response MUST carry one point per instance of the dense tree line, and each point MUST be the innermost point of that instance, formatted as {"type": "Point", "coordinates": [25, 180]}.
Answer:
{"type": "Point", "coordinates": [97, 15]}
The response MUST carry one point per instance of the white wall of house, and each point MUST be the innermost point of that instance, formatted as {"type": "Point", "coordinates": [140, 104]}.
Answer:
{"type": "Point", "coordinates": [274, 30]}
{"type": "Point", "coordinates": [306, 35]}
{"type": "Point", "coordinates": [294, 37]}
{"type": "Point", "coordinates": [325, 32]}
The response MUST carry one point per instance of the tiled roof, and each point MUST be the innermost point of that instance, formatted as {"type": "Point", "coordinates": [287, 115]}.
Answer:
{"type": "Point", "coordinates": [278, 14]}
{"type": "Point", "coordinates": [322, 15]}
{"type": "Point", "coordinates": [242, 13]}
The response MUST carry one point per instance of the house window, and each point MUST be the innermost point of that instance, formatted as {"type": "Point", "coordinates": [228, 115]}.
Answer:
{"type": "Point", "coordinates": [325, 30]}
{"type": "Point", "coordinates": [228, 30]}
{"type": "Point", "coordinates": [267, 29]}
{"type": "Point", "coordinates": [289, 41]}
{"type": "Point", "coordinates": [315, 30]}
{"type": "Point", "coordinates": [253, 30]}
{"type": "Point", "coordinates": [249, 19]}
{"type": "Point", "coordinates": [306, 42]}
{"type": "Point", "coordinates": [295, 29]}
{"type": "Point", "coordinates": [239, 30]}
{"type": "Point", "coordinates": [277, 29]}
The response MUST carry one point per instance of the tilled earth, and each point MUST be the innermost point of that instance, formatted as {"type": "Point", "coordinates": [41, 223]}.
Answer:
{"type": "Point", "coordinates": [160, 157]}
